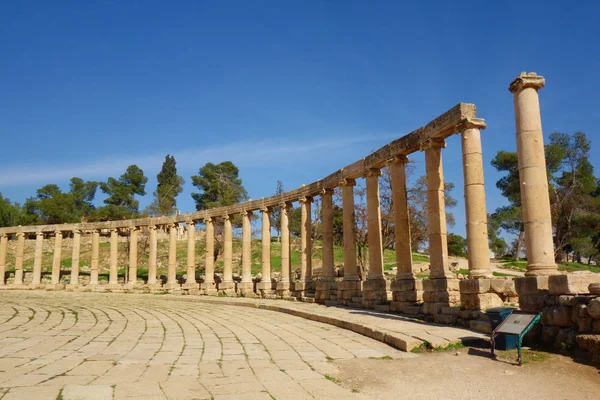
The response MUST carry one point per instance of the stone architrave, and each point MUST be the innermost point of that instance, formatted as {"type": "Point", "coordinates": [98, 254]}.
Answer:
{"type": "Point", "coordinates": [152, 256]}
{"type": "Point", "coordinates": [75, 257]}
{"type": "Point", "coordinates": [133, 255]}
{"type": "Point", "coordinates": [209, 269]}
{"type": "Point", "coordinates": [191, 253]}
{"type": "Point", "coordinates": [436, 209]}
{"type": "Point", "coordinates": [3, 247]}
{"type": "Point", "coordinates": [58, 236]}
{"type": "Point", "coordinates": [478, 249]}
{"type": "Point", "coordinates": [95, 257]}
{"type": "Point", "coordinates": [401, 218]}
{"type": "Point", "coordinates": [113, 278]}
{"type": "Point", "coordinates": [37, 260]}
{"type": "Point", "coordinates": [172, 267]}
{"type": "Point", "coordinates": [328, 260]}
{"type": "Point", "coordinates": [227, 254]}
{"type": "Point", "coordinates": [535, 199]}
{"type": "Point", "coordinates": [19, 259]}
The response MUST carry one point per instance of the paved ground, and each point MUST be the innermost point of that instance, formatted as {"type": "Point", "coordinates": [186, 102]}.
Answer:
{"type": "Point", "coordinates": [57, 345]}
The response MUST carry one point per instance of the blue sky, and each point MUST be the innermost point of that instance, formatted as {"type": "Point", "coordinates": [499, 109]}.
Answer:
{"type": "Point", "coordinates": [289, 90]}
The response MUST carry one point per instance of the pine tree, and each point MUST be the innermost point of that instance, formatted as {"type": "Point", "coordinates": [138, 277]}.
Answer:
{"type": "Point", "coordinates": [169, 186]}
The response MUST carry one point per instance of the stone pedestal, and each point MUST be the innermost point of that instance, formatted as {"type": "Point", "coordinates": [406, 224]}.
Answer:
{"type": "Point", "coordinates": [191, 288]}
{"type": "Point", "coordinates": [152, 287]}
{"type": "Point", "coordinates": [407, 295]}
{"type": "Point", "coordinates": [245, 289]}
{"type": "Point", "coordinates": [440, 293]}
{"type": "Point", "coordinates": [208, 288]}
{"type": "Point", "coordinates": [172, 286]}
{"type": "Point", "coordinates": [375, 292]}
{"type": "Point", "coordinates": [304, 291]}
{"type": "Point", "coordinates": [266, 289]}
{"type": "Point", "coordinates": [226, 288]}
{"type": "Point", "coordinates": [54, 286]}
{"type": "Point", "coordinates": [284, 290]}
{"type": "Point", "coordinates": [350, 293]}
{"type": "Point", "coordinates": [326, 292]}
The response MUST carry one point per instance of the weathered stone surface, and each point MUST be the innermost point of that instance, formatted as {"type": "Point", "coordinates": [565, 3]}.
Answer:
{"type": "Point", "coordinates": [481, 301]}
{"type": "Point", "coordinates": [574, 283]}
{"type": "Point", "coordinates": [442, 284]}
{"type": "Point", "coordinates": [561, 316]}
{"type": "Point", "coordinates": [532, 285]}
{"type": "Point", "coordinates": [474, 286]}
{"type": "Point", "coordinates": [593, 308]}
{"type": "Point", "coordinates": [405, 285]}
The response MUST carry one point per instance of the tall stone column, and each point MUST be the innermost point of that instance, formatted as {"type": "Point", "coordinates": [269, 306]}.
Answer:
{"type": "Point", "coordinates": [283, 286]}
{"type": "Point", "coordinates": [325, 287]}
{"type": "Point", "coordinates": [190, 281]}
{"type": "Point", "coordinates": [19, 259]}
{"type": "Point", "coordinates": [152, 257]}
{"type": "Point", "coordinates": [3, 247]}
{"type": "Point", "coordinates": [113, 278]}
{"type": "Point", "coordinates": [264, 286]}
{"type": "Point", "coordinates": [351, 287]}
{"type": "Point", "coordinates": [436, 209]}
{"type": "Point", "coordinates": [246, 286]}
{"type": "Point", "coordinates": [57, 258]}
{"type": "Point", "coordinates": [75, 258]}
{"type": "Point", "coordinates": [401, 218]}
{"type": "Point", "coordinates": [478, 248]}
{"type": "Point", "coordinates": [407, 291]}
{"type": "Point", "coordinates": [95, 257]}
{"type": "Point", "coordinates": [133, 255]}
{"type": "Point", "coordinates": [305, 240]}
{"type": "Point", "coordinates": [172, 267]}
{"type": "Point", "coordinates": [209, 270]}
{"type": "Point", "coordinates": [227, 284]}
{"type": "Point", "coordinates": [535, 200]}
{"type": "Point", "coordinates": [37, 260]}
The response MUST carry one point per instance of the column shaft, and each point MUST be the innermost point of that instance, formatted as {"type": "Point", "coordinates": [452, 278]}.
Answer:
{"type": "Point", "coordinates": [113, 278]}
{"type": "Point", "coordinates": [266, 245]}
{"type": "Point", "coordinates": [350, 265]}
{"type": "Point", "coordinates": [374, 226]}
{"type": "Point", "coordinates": [401, 218]}
{"type": "Point", "coordinates": [133, 255]}
{"type": "Point", "coordinates": [172, 268]}
{"type": "Point", "coordinates": [305, 240]}
{"type": "Point", "coordinates": [152, 256]}
{"type": "Point", "coordinates": [95, 257]}
{"type": "Point", "coordinates": [3, 247]}
{"type": "Point", "coordinates": [57, 258]}
{"type": "Point", "coordinates": [75, 257]}
{"type": "Point", "coordinates": [19, 259]}
{"type": "Point", "coordinates": [191, 252]}
{"type": "Point", "coordinates": [37, 261]}
{"type": "Point", "coordinates": [246, 247]}
{"type": "Point", "coordinates": [478, 249]}
{"type": "Point", "coordinates": [436, 207]}
{"type": "Point", "coordinates": [328, 261]}
{"type": "Point", "coordinates": [535, 199]}
{"type": "Point", "coordinates": [285, 243]}
{"type": "Point", "coordinates": [209, 269]}
{"type": "Point", "coordinates": [227, 251]}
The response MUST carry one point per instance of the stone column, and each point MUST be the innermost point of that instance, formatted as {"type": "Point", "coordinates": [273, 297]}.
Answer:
{"type": "Point", "coordinates": [305, 240]}
{"type": "Point", "coordinates": [113, 278]}
{"type": "Point", "coordinates": [351, 287]}
{"type": "Point", "coordinates": [95, 257]}
{"type": "Point", "coordinates": [326, 286]}
{"type": "Point", "coordinates": [245, 287]}
{"type": "Point", "coordinates": [478, 249]}
{"type": "Point", "coordinates": [152, 258]}
{"type": "Point", "coordinates": [133, 255]}
{"type": "Point", "coordinates": [436, 209]}
{"type": "Point", "coordinates": [264, 286]}
{"type": "Point", "coordinates": [172, 268]}
{"type": "Point", "coordinates": [3, 246]}
{"type": "Point", "coordinates": [75, 258]}
{"type": "Point", "coordinates": [407, 291]}
{"type": "Point", "coordinates": [283, 286]}
{"type": "Point", "coordinates": [209, 270]}
{"type": "Point", "coordinates": [37, 261]}
{"type": "Point", "coordinates": [535, 200]}
{"type": "Point", "coordinates": [227, 284]}
{"type": "Point", "coordinates": [190, 281]}
{"type": "Point", "coordinates": [57, 258]}
{"type": "Point", "coordinates": [19, 259]}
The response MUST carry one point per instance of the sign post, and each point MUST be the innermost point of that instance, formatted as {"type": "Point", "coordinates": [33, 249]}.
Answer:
{"type": "Point", "coordinates": [517, 324]}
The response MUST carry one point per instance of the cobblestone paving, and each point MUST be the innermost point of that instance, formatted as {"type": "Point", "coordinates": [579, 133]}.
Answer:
{"type": "Point", "coordinates": [108, 346]}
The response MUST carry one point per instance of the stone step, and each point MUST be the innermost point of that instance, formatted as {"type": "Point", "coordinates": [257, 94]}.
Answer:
{"type": "Point", "coordinates": [445, 319]}
{"type": "Point", "coordinates": [382, 307]}
{"type": "Point", "coordinates": [480, 326]}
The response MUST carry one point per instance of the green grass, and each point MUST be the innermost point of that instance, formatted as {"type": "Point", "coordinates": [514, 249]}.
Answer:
{"type": "Point", "coordinates": [501, 274]}
{"type": "Point", "coordinates": [421, 349]}
{"type": "Point", "coordinates": [516, 265]}
{"type": "Point", "coordinates": [332, 379]}
{"type": "Point", "coordinates": [572, 267]}
{"type": "Point", "coordinates": [528, 355]}
{"type": "Point", "coordinates": [463, 271]}
{"type": "Point", "coordinates": [451, 346]}
{"type": "Point", "coordinates": [381, 358]}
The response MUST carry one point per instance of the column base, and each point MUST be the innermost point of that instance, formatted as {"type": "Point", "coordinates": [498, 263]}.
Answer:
{"type": "Point", "coordinates": [172, 286]}
{"type": "Point", "coordinates": [245, 289]}
{"type": "Point", "coordinates": [326, 292]}
{"type": "Point", "coordinates": [283, 290]}
{"type": "Point", "coordinates": [541, 270]}
{"type": "Point", "coordinates": [407, 291]}
{"type": "Point", "coordinates": [480, 273]}
{"type": "Point", "coordinates": [349, 293]}
{"type": "Point", "coordinates": [114, 287]}
{"type": "Point", "coordinates": [304, 291]}
{"type": "Point", "coordinates": [208, 288]}
{"type": "Point", "coordinates": [54, 286]}
{"type": "Point", "coordinates": [153, 288]}
{"type": "Point", "coordinates": [226, 288]}
{"type": "Point", "coordinates": [440, 293]}
{"type": "Point", "coordinates": [266, 290]}
{"type": "Point", "coordinates": [375, 292]}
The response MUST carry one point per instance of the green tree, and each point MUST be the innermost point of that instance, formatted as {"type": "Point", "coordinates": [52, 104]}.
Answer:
{"type": "Point", "coordinates": [10, 213]}
{"type": "Point", "coordinates": [276, 213]}
{"type": "Point", "coordinates": [83, 194]}
{"type": "Point", "coordinates": [219, 185]}
{"type": "Point", "coordinates": [457, 245]}
{"type": "Point", "coordinates": [121, 202]}
{"type": "Point", "coordinates": [168, 188]}
{"type": "Point", "coordinates": [497, 244]}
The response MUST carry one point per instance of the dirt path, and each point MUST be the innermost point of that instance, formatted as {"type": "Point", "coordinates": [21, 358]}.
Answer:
{"type": "Point", "coordinates": [469, 375]}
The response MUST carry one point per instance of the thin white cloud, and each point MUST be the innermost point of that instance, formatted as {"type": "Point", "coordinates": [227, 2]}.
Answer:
{"type": "Point", "coordinates": [249, 153]}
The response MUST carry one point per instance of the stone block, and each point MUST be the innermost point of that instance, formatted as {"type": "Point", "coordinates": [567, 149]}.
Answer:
{"type": "Point", "coordinates": [441, 284]}
{"type": "Point", "coordinates": [376, 285]}
{"type": "Point", "coordinates": [445, 319]}
{"type": "Point", "coordinates": [433, 308]}
{"type": "Point", "coordinates": [481, 301]}
{"type": "Point", "coordinates": [406, 285]}
{"type": "Point", "coordinates": [450, 310]}
{"type": "Point", "coordinates": [561, 316]}
{"type": "Point", "coordinates": [531, 285]}
{"type": "Point", "coordinates": [574, 283]}
{"type": "Point", "coordinates": [596, 325]}
{"type": "Point", "coordinates": [264, 286]}
{"type": "Point", "coordinates": [382, 307]}
{"type": "Point", "coordinates": [504, 287]}
{"type": "Point", "coordinates": [593, 308]}
{"type": "Point", "coordinates": [350, 285]}
{"type": "Point", "coordinates": [474, 286]}
{"type": "Point", "coordinates": [441, 297]}
{"type": "Point", "coordinates": [567, 300]}
{"type": "Point", "coordinates": [480, 326]}
{"type": "Point", "coordinates": [585, 325]}
{"type": "Point", "coordinates": [408, 297]}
